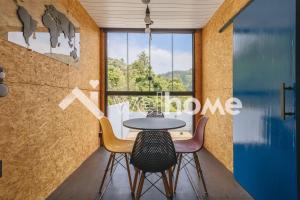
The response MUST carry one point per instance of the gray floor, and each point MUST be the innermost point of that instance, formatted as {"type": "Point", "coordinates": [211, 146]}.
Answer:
{"type": "Point", "coordinates": [84, 182]}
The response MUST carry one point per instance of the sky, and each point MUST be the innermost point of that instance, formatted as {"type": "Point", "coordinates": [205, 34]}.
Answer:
{"type": "Point", "coordinates": [161, 49]}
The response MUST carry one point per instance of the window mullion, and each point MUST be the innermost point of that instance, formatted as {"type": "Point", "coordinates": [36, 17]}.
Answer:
{"type": "Point", "coordinates": [149, 51]}
{"type": "Point", "coordinates": [127, 60]}
{"type": "Point", "coordinates": [172, 62]}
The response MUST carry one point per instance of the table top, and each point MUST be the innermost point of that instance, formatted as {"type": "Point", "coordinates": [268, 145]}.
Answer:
{"type": "Point", "coordinates": [154, 123]}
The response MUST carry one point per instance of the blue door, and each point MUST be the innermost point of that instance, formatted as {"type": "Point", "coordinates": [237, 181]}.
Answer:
{"type": "Point", "coordinates": [264, 80]}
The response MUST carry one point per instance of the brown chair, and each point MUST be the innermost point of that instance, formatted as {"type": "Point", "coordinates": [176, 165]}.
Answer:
{"type": "Point", "coordinates": [192, 146]}
{"type": "Point", "coordinates": [119, 149]}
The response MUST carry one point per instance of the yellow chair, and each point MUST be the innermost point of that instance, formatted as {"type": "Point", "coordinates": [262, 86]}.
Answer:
{"type": "Point", "coordinates": [118, 149]}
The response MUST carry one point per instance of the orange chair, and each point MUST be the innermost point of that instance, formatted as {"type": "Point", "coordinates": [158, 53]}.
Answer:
{"type": "Point", "coordinates": [118, 149]}
{"type": "Point", "coordinates": [192, 146]}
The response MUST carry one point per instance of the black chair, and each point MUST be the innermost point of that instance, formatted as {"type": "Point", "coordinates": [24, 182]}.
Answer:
{"type": "Point", "coordinates": [155, 113]}
{"type": "Point", "coordinates": [154, 152]}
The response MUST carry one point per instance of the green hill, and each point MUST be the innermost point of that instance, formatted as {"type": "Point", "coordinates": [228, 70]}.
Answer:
{"type": "Point", "coordinates": [185, 76]}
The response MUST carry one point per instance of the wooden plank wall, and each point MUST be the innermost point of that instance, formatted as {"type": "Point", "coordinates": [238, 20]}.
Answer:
{"type": "Point", "coordinates": [40, 144]}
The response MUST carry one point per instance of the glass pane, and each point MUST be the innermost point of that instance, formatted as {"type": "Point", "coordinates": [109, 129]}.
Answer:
{"type": "Point", "coordinates": [173, 107]}
{"type": "Point", "coordinates": [183, 62]}
{"type": "Point", "coordinates": [117, 62]}
{"type": "Point", "coordinates": [121, 108]}
{"type": "Point", "coordinates": [161, 62]}
{"type": "Point", "coordinates": [138, 55]}
{"type": "Point", "coordinates": [139, 76]}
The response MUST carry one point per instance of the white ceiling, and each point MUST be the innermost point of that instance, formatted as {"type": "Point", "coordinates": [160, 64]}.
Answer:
{"type": "Point", "coordinates": [166, 14]}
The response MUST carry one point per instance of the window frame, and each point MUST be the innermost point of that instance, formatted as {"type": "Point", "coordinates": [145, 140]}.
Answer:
{"type": "Point", "coordinates": [152, 93]}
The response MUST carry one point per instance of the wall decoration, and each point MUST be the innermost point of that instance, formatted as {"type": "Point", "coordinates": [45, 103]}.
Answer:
{"type": "Point", "coordinates": [29, 24]}
{"type": "Point", "coordinates": [58, 23]}
{"type": "Point", "coordinates": [46, 28]}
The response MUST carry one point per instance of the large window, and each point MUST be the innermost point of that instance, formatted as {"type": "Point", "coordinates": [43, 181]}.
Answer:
{"type": "Point", "coordinates": [139, 68]}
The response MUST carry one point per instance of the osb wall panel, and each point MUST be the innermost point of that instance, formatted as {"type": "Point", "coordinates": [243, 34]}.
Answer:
{"type": "Point", "coordinates": [40, 144]}
{"type": "Point", "coordinates": [9, 21]}
{"type": "Point", "coordinates": [217, 58]}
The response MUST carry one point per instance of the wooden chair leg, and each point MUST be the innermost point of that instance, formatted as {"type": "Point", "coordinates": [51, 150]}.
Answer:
{"type": "Point", "coordinates": [177, 156]}
{"type": "Point", "coordinates": [113, 163]}
{"type": "Point", "coordinates": [140, 187]}
{"type": "Point", "coordinates": [171, 181]}
{"type": "Point", "coordinates": [177, 173]}
{"type": "Point", "coordinates": [136, 176]}
{"type": "Point", "coordinates": [201, 174]}
{"type": "Point", "coordinates": [197, 164]}
{"type": "Point", "coordinates": [105, 172]}
{"type": "Point", "coordinates": [166, 185]}
{"type": "Point", "coordinates": [128, 172]}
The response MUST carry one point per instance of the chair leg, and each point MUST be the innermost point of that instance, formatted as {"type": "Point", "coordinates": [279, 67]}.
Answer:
{"type": "Point", "coordinates": [197, 164]}
{"type": "Point", "coordinates": [171, 181]}
{"type": "Point", "coordinates": [105, 172]}
{"type": "Point", "coordinates": [113, 163]}
{"type": "Point", "coordinates": [128, 172]}
{"type": "Point", "coordinates": [140, 187]}
{"type": "Point", "coordinates": [136, 176]}
{"type": "Point", "coordinates": [201, 173]}
{"type": "Point", "coordinates": [177, 173]}
{"type": "Point", "coordinates": [166, 185]}
{"type": "Point", "coordinates": [177, 156]}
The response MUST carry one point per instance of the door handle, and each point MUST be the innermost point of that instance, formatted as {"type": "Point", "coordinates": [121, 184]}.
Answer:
{"type": "Point", "coordinates": [283, 112]}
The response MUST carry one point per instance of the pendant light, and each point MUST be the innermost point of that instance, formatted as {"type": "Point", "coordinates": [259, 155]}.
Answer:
{"type": "Point", "coordinates": [147, 18]}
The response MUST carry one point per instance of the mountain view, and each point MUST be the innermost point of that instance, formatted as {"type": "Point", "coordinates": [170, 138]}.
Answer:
{"type": "Point", "coordinates": [139, 76]}
{"type": "Point", "coordinates": [185, 76]}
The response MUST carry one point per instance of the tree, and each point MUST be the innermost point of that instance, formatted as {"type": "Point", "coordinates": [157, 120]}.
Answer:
{"type": "Point", "coordinates": [140, 71]}
{"type": "Point", "coordinates": [141, 78]}
{"type": "Point", "coordinates": [116, 74]}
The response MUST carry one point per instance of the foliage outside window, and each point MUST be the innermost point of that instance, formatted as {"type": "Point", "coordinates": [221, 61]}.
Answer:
{"type": "Point", "coordinates": [164, 64]}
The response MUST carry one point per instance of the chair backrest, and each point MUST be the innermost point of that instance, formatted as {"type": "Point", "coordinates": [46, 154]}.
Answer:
{"type": "Point", "coordinates": [200, 130]}
{"type": "Point", "coordinates": [108, 135]}
{"type": "Point", "coordinates": [153, 151]}
{"type": "Point", "coordinates": [154, 113]}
